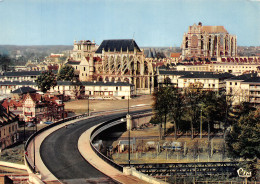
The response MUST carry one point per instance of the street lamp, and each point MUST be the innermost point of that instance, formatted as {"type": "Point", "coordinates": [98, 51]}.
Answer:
{"type": "Point", "coordinates": [34, 167]}
{"type": "Point", "coordinates": [129, 121]}
{"type": "Point", "coordinates": [200, 123]}
{"type": "Point", "coordinates": [88, 105]}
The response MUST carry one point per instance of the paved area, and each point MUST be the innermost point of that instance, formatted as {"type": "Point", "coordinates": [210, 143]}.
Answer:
{"type": "Point", "coordinates": [87, 152]}
{"type": "Point", "coordinates": [46, 175]}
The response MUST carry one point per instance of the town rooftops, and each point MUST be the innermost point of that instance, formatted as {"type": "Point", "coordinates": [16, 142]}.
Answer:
{"type": "Point", "coordinates": [112, 45]}
{"type": "Point", "coordinates": [22, 73]}
{"type": "Point", "coordinates": [24, 90]}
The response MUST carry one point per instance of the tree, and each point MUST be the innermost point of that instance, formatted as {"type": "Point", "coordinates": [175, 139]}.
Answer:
{"type": "Point", "coordinates": [46, 80]}
{"type": "Point", "coordinates": [243, 141]}
{"type": "Point", "coordinates": [176, 109]}
{"type": "Point", "coordinates": [193, 95]}
{"type": "Point", "coordinates": [66, 73]}
{"type": "Point", "coordinates": [5, 61]}
{"type": "Point", "coordinates": [244, 138]}
{"type": "Point", "coordinates": [211, 110]}
{"type": "Point", "coordinates": [162, 104]}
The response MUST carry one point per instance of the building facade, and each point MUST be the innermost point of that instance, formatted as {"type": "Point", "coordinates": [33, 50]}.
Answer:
{"type": "Point", "coordinates": [8, 128]}
{"type": "Point", "coordinates": [114, 60]}
{"type": "Point", "coordinates": [207, 42]}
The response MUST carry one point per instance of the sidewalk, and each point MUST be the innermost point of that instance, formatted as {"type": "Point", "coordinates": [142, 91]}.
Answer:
{"type": "Point", "coordinates": [89, 155]}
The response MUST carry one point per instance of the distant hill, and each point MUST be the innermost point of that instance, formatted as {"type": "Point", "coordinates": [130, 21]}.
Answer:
{"type": "Point", "coordinates": [47, 49]}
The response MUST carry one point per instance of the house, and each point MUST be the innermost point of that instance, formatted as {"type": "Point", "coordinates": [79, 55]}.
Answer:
{"type": "Point", "coordinates": [20, 76]}
{"type": "Point", "coordinates": [171, 76]}
{"type": "Point", "coordinates": [208, 81]}
{"type": "Point", "coordinates": [96, 89]}
{"type": "Point", "coordinates": [8, 86]}
{"type": "Point", "coordinates": [14, 106]}
{"type": "Point", "coordinates": [244, 88]}
{"type": "Point", "coordinates": [8, 128]}
{"type": "Point", "coordinates": [37, 107]}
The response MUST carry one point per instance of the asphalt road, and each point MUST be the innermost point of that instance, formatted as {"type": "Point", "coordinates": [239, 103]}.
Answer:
{"type": "Point", "coordinates": [60, 154]}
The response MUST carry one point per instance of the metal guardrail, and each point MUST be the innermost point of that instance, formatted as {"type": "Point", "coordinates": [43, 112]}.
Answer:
{"type": "Point", "coordinates": [44, 129]}
{"type": "Point", "coordinates": [69, 119]}
{"type": "Point", "coordinates": [99, 129]}
{"type": "Point", "coordinates": [93, 135]}
{"type": "Point", "coordinates": [186, 169]}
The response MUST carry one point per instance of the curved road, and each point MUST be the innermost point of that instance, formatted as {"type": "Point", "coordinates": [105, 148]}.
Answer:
{"type": "Point", "coordinates": [60, 154]}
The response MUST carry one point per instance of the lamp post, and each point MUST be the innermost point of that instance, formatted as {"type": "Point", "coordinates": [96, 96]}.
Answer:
{"type": "Point", "coordinates": [34, 167]}
{"type": "Point", "coordinates": [200, 123]}
{"type": "Point", "coordinates": [129, 128]}
{"type": "Point", "coordinates": [63, 107]}
{"type": "Point", "coordinates": [88, 105]}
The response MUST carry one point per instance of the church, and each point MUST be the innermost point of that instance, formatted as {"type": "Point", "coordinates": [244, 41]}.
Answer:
{"type": "Point", "coordinates": [208, 43]}
{"type": "Point", "coordinates": [118, 60]}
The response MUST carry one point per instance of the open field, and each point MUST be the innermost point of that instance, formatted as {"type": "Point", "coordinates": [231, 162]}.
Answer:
{"type": "Point", "coordinates": [81, 106]}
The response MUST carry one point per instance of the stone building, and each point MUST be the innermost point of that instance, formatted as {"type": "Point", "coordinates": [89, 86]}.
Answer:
{"type": "Point", "coordinates": [208, 42]}
{"type": "Point", "coordinates": [114, 60]}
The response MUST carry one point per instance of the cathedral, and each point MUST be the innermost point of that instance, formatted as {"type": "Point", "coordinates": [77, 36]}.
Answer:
{"type": "Point", "coordinates": [208, 42]}
{"type": "Point", "coordinates": [119, 60]}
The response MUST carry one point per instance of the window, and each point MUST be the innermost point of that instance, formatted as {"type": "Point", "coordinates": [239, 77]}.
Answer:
{"type": "Point", "coordinates": [230, 83]}
{"type": "Point", "coordinates": [235, 83]}
{"type": "Point", "coordinates": [84, 68]}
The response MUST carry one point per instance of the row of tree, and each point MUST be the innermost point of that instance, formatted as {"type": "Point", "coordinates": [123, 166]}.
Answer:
{"type": "Point", "coordinates": [192, 107]}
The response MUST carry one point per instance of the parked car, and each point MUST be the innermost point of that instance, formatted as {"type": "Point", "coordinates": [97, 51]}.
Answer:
{"type": "Point", "coordinates": [48, 122]}
{"type": "Point", "coordinates": [30, 124]}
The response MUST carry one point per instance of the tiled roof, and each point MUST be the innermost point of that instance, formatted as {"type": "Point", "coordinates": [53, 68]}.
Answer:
{"type": "Point", "coordinates": [117, 45]}
{"type": "Point", "coordinates": [22, 73]}
{"type": "Point", "coordinates": [6, 118]}
{"type": "Point", "coordinates": [253, 80]}
{"type": "Point", "coordinates": [71, 62]}
{"type": "Point", "coordinates": [175, 54]}
{"type": "Point", "coordinates": [11, 103]}
{"type": "Point", "coordinates": [244, 76]}
{"type": "Point", "coordinates": [206, 75]}
{"type": "Point", "coordinates": [17, 83]}
{"type": "Point", "coordinates": [23, 90]}
{"type": "Point", "coordinates": [169, 72]}
{"type": "Point", "coordinates": [213, 29]}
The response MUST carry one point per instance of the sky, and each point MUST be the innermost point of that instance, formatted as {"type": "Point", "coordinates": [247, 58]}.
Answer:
{"type": "Point", "coordinates": [157, 23]}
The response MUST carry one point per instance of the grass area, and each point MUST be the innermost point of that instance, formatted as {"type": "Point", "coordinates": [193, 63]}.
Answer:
{"type": "Point", "coordinates": [14, 154]}
{"type": "Point", "coordinates": [192, 150]}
